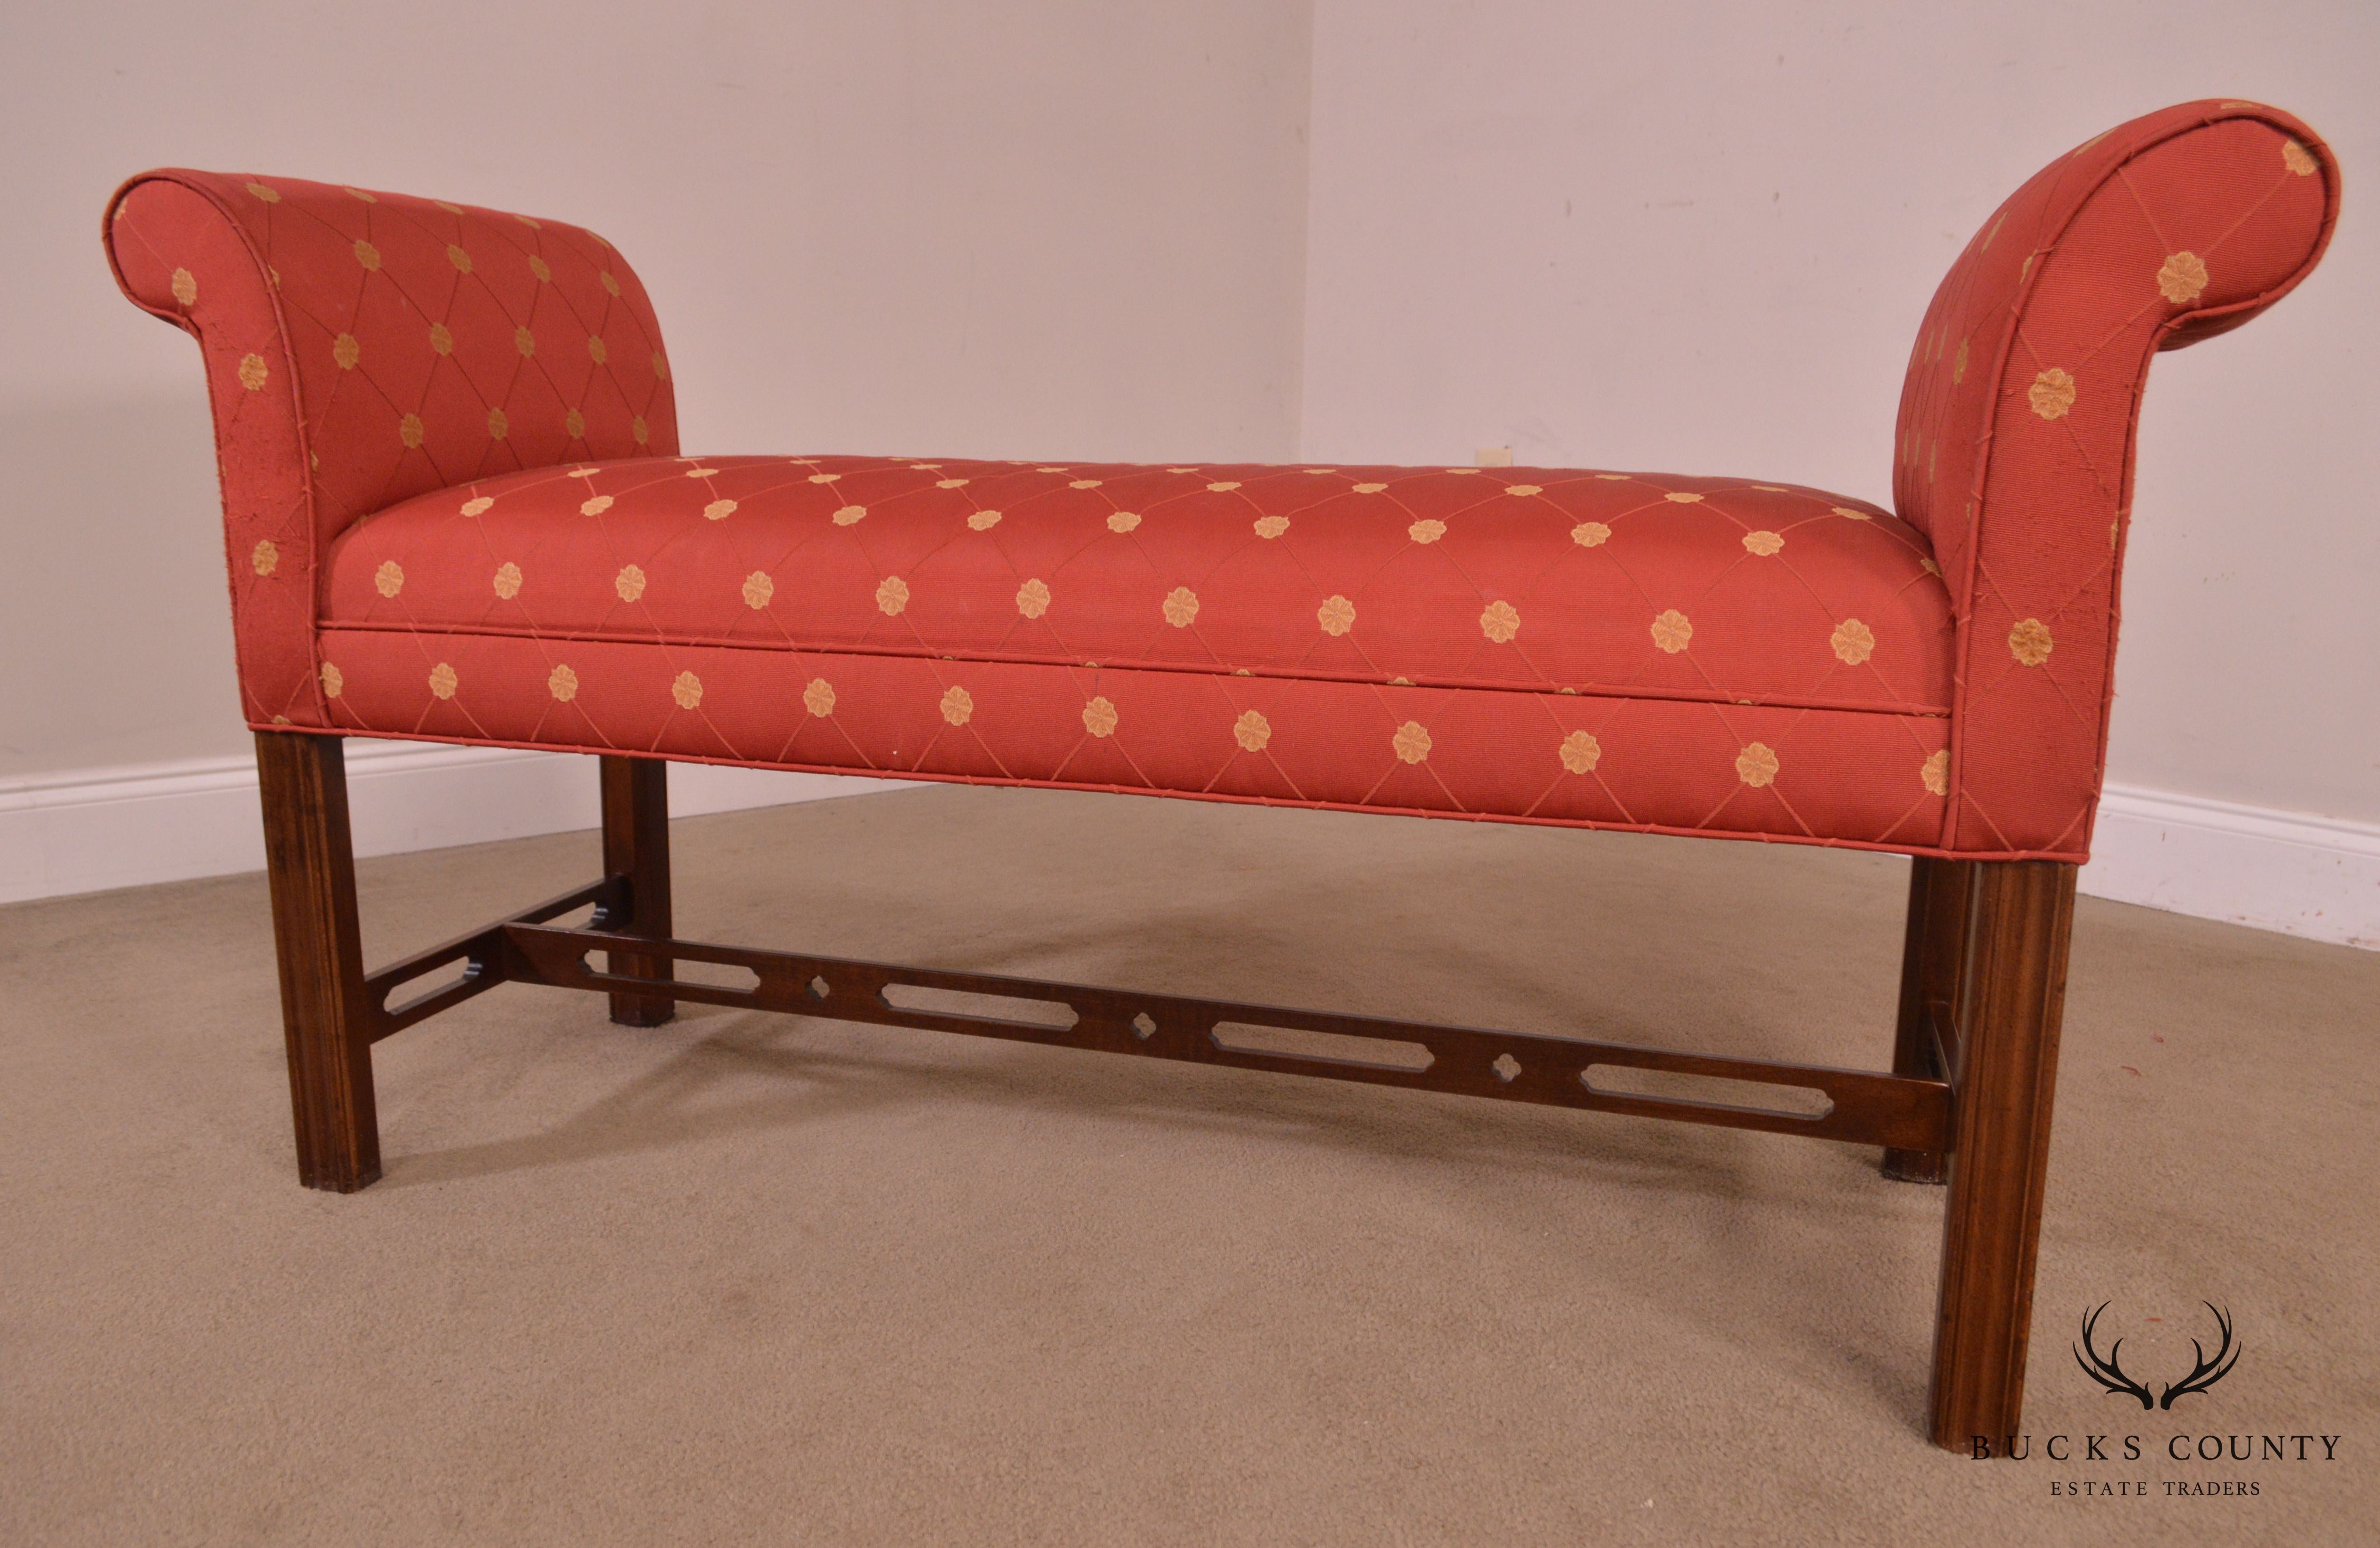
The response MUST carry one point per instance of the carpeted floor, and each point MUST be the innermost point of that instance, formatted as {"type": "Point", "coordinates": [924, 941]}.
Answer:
{"type": "Point", "coordinates": [760, 1279]}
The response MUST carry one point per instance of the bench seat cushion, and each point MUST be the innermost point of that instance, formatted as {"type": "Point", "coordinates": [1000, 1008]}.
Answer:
{"type": "Point", "coordinates": [1567, 645]}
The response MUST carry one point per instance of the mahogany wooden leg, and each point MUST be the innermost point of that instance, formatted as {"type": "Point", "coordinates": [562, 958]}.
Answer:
{"type": "Point", "coordinates": [1930, 959]}
{"type": "Point", "coordinates": [2012, 995]}
{"type": "Point", "coordinates": [636, 845]}
{"type": "Point", "coordinates": [311, 865]}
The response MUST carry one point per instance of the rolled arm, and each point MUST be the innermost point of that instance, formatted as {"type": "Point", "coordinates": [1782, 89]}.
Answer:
{"type": "Point", "coordinates": [362, 348]}
{"type": "Point", "coordinates": [2014, 450]}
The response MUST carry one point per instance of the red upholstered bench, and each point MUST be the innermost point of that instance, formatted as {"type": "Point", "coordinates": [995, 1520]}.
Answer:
{"type": "Point", "coordinates": [456, 509]}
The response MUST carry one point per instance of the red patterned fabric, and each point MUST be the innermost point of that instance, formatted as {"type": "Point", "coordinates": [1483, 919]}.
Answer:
{"type": "Point", "coordinates": [2015, 444]}
{"type": "Point", "coordinates": [364, 347]}
{"type": "Point", "coordinates": [456, 511]}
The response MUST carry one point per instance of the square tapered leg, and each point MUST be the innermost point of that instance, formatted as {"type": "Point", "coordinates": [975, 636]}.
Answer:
{"type": "Point", "coordinates": [2011, 995]}
{"type": "Point", "coordinates": [636, 845]}
{"type": "Point", "coordinates": [309, 863]}
{"type": "Point", "coordinates": [1930, 959]}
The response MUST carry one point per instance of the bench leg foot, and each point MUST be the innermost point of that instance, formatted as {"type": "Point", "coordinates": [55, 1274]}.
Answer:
{"type": "Point", "coordinates": [2012, 995]}
{"type": "Point", "coordinates": [636, 845]}
{"type": "Point", "coordinates": [309, 863]}
{"type": "Point", "coordinates": [1930, 959]}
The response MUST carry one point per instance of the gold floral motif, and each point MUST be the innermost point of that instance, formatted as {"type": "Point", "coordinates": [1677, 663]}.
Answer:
{"type": "Point", "coordinates": [574, 424]}
{"type": "Point", "coordinates": [661, 366]}
{"type": "Point", "coordinates": [1850, 513]}
{"type": "Point", "coordinates": [1252, 731]}
{"type": "Point", "coordinates": [368, 255]}
{"type": "Point", "coordinates": [450, 208]}
{"type": "Point", "coordinates": [1763, 543]}
{"type": "Point", "coordinates": [819, 697]}
{"type": "Point", "coordinates": [185, 287]}
{"type": "Point", "coordinates": [345, 350]}
{"type": "Point", "coordinates": [718, 510]}
{"type": "Point", "coordinates": [1501, 621]}
{"type": "Point", "coordinates": [360, 194]}
{"type": "Point", "coordinates": [1854, 641]}
{"type": "Point", "coordinates": [701, 472]}
{"type": "Point", "coordinates": [1426, 530]}
{"type": "Point", "coordinates": [1271, 526]}
{"type": "Point", "coordinates": [1929, 567]}
{"type": "Point", "coordinates": [984, 521]}
{"type": "Point", "coordinates": [1181, 605]}
{"type": "Point", "coordinates": [1523, 488]}
{"type": "Point", "coordinates": [2029, 642]}
{"type": "Point", "coordinates": [2052, 394]}
{"type": "Point", "coordinates": [2183, 278]}
{"type": "Point", "coordinates": [850, 515]}
{"type": "Point", "coordinates": [629, 583]}
{"type": "Point", "coordinates": [1084, 484]}
{"type": "Point", "coordinates": [264, 193]}
{"type": "Point", "coordinates": [442, 681]}
{"type": "Point", "coordinates": [1581, 752]}
{"type": "Point", "coordinates": [1033, 599]}
{"type": "Point", "coordinates": [758, 589]}
{"type": "Point", "coordinates": [252, 371]}
{"type": "Point", "coordinates": [597, 350]}
{"type": "Point", "coordinates": [610, 285]}
{"type": "Point", "coordinates": [562, 683]}
{"type": "Point", "coordinates": [1411, 742]}
{"type": "Point", "coordinates": [824, 478]}
{"type": "Point", "coordinates": [1683, 497]}
{"type": "Point", "coordinates": [1369, 488]}
{"type": "Point", "coordinates": [442, 339]}
{"type": "Point", "coordinates": [525, 341]}
{"type": "Point", "coordinates": [1958, 365]}
{"type": "Point", "coordinates": [1756, 764]}
{"type": "Point", "coordinates": [509, 580]}
{"type": "Point", "coordinates": [539, 267]}
{"type": "Point", "coordinates": [1614, 477]}
{"type": "Point", "coordinates": [389, 580]}
{"type": "Point", "coordinates": [1590, 533]}
{"type": "Point", "coordinates": [1123, 521]}
{"type": "Point", "coordinates": [458, 258]}
{"type": "Point", "coordinates": [595, 505]}
{"type": "Point", "coordinates": [263, 558]}
{"type": "Point", "coordinates": [332, 681]}
{"type": "Point", "coordinates": [1935, 772]}
{"type": "Point", "coordinates": [950, 483]}
{"type": "Point", "coordinates": [1099, 718]}
{"type": "Point", "coordinates": [639, 431]}
{"type": "Point", "coordinates": [1337, 615]}
{"type": "Point", "coordinates": [1223, 486]}
{"type": "Point", "coordinates": [499, 426]}
{"type": "Point", "coordinates": [686, 689]}
{"type": "Point", "coordinates": [1672, 632]}
{"type": "Point", "coordinates": [892, 595]}
{"type": "Point", "coordinates": [409, 431]}
{"type": "Point", "coordinates": [2297, 159]}
{"type": "Point", "coordinates": [958, 706]}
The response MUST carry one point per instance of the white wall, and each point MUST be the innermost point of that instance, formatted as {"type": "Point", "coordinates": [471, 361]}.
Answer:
{"type": "Point", "coordinates": [1068, 229]}
{"type": "Point", "coordinates": [1699, 238]}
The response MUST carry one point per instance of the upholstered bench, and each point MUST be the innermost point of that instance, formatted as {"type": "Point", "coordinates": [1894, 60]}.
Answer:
{"type": "Point", "coordinates": [456, 509]}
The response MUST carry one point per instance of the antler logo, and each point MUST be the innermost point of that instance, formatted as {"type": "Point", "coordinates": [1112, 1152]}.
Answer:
{"type": "Point", "coordinates": [2108, 1372]}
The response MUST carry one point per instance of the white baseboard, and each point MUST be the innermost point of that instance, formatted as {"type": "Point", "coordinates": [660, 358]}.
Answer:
{"type": "Point", "coordinates": [82, 830]}
{"type": "Point", "coordinates": [87, 830]}
{"type": "Point", "coordinates": [2287, 871]}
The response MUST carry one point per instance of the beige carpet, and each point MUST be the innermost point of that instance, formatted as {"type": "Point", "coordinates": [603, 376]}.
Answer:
{"type": "Point", "coordinates": [759, 1279]}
